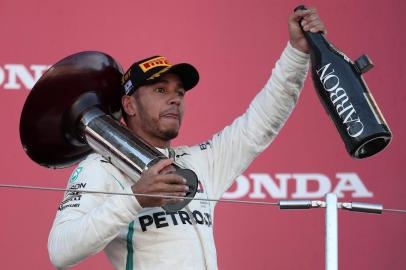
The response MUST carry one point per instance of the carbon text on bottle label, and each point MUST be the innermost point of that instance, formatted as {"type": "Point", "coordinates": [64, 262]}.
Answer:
{"type": "Point", "coordinates": [340, 100]}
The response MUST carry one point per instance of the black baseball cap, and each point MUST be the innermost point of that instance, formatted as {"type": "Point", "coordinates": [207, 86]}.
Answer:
{"type": "Point", "coordinates": [150, 69]}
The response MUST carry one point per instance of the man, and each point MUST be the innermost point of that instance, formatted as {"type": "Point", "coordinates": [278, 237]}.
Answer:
{"type": "Point", "coordinates": [135, 232]}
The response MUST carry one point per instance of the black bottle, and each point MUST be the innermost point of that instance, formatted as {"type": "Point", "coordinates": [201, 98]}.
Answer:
{"type": "Point", "coordinates": [346, 97]}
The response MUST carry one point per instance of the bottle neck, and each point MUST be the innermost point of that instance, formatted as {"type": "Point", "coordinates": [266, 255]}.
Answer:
{"type": "Point", "coordinates": [317, 41]}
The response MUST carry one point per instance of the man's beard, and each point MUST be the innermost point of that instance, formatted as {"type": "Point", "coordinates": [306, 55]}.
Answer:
{"type": "Point", "coordinates": [169, 134]}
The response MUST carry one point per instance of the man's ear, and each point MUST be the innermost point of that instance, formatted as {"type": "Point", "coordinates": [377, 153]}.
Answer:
{"type": "Point", "coordinates": [129, 105]}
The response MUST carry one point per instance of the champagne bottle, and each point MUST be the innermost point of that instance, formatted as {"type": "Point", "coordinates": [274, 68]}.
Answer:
{"type": "Point", "coordinates": [346, 97]}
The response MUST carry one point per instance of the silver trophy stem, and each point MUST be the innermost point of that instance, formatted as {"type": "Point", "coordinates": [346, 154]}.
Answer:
{"type": "Point", "coordinates": [117, 144]}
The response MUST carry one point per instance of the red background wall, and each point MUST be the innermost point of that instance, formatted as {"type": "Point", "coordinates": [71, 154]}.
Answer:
{"type": "Point", "coordinates": [234, 45]}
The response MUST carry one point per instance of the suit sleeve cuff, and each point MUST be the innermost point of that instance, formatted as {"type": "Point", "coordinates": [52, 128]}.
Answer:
{"type": "Point", "coordinates": [296, 56]}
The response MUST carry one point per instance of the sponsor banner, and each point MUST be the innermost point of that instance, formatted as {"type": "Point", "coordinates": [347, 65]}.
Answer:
{"type": "Point", "coordinates": [20, 76]}
{"type": "Point", "coordinates": [302, 186]}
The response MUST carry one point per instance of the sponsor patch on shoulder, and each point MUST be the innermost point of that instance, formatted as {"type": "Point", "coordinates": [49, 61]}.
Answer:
{"type": "Point", "coordinates": [72, 197]}
{"type": "Point", "coordinates": [75, 174]}
{"type": "Point", "coordinates": [203, 146]}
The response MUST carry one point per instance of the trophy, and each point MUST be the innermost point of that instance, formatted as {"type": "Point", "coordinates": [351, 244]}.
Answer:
{"type": "Point", "coordinates": [74, 109]}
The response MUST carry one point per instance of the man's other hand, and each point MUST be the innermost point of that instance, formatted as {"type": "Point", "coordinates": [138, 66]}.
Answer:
{"type": "Point", "coordinates": [310, 21]}
{"type": "Point", "coordinates": [160, 179]}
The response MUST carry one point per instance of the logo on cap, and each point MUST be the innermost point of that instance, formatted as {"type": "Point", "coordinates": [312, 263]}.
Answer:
{"type": "Point", "coordinates": [155, 62]}
{"type": "Point", "coordinates": [128, 86]}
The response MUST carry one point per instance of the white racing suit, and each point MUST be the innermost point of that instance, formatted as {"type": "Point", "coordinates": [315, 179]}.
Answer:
{"type": "Point", "coordinates": [149, 238]}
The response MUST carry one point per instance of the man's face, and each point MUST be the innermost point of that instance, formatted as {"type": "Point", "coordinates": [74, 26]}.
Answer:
{"type": "Point", "coordinates": [159, 108]}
